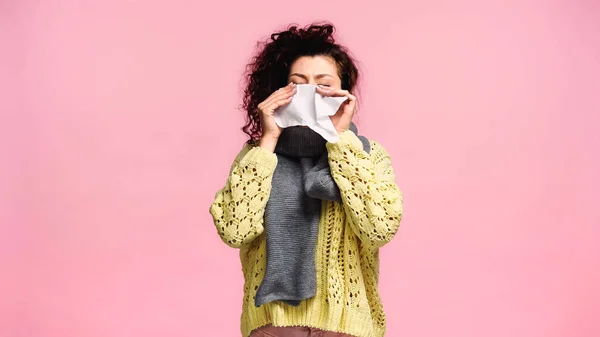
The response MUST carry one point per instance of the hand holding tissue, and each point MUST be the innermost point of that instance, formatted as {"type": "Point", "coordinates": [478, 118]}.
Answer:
{"type": "Point", "coordinates": [311, 109]}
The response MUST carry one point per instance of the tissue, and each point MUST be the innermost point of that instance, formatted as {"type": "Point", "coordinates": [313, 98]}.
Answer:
{"type": "Point", "coordinates": [310, 109]}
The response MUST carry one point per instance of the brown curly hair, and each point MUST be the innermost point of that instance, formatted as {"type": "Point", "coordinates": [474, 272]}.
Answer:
{"type": "Point", "coordinates": [269, 68]}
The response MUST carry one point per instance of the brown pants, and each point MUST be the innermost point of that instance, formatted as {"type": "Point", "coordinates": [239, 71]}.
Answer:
{"type": "Point", "coordinates": [274, 331]}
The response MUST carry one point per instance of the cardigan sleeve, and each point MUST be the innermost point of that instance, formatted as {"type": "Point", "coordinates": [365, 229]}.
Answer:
{"type": "Point", "coordinates": [370, 196]}
{"type": "Point", "coordinates": [238, 208]}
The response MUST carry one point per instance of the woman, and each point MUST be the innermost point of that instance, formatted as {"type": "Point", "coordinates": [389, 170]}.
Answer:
{"type": "Point", "coordinates": [308, 215]}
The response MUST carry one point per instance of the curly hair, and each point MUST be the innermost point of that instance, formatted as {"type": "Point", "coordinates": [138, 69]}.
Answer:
{"type": "Point", "coordinates": [269, 68]}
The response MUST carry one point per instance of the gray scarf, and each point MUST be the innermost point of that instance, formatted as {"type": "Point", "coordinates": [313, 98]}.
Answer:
{"type": "Point", "coordinates": [301, 181]}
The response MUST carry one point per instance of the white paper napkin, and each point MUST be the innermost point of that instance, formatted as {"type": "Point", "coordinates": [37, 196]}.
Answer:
{"type": "Point", "coordinates": [311, 109]}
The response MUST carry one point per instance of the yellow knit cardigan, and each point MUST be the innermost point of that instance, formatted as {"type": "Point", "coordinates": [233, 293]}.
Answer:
{"type": "Point", "coordinates": [350, 235]}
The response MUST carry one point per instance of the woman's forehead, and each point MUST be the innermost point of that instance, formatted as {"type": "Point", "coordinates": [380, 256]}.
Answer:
{"type": "Point", "coordinates": [314, 65]}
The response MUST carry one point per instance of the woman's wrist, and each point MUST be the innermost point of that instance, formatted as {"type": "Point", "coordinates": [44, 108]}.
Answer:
{"type": "Point", "coordinates": [341, 130]}
{"type": "Point", "coordinates": [268, 142]}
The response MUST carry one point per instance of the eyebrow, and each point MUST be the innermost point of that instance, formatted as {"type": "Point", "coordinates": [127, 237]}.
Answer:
{"type": "Point", "coordinates": [317, 76]}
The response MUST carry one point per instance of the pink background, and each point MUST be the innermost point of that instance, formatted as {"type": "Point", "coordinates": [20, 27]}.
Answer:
{"type": "Point", "coordinates": [119, 124]}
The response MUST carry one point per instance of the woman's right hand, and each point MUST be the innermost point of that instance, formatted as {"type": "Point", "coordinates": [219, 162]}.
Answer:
{"type": "Point", "coordinates": [270, 129]}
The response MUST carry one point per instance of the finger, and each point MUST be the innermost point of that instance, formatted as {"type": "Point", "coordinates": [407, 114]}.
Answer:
{"type": "Point", "coordinates": [333, 92]}
{"type": "Point", "coordinates": [352, 104]}
{"type": "Point", "coordinates": [344, 107]}
{"type": "Point", "coordinates": [279, 103]}
{"type": "Point", "coordinates": [283, 102]}
{"type": "Point", "coordinates": [347, 107]}
{"type": "Point", "coordinates": [343, 93]}
{"type": "Point", "coordinates": [324, 91]}
{"type": "Point", "coordinates": [278, 100]}
{"type": "Point", "coordinates": [271, 107]}
{"type": "Point", "coordinates": [278, 93]}
{"type": "Point", "coordinates": [284, 92]}
{"type": "Point", "coordinates": [336, 93]}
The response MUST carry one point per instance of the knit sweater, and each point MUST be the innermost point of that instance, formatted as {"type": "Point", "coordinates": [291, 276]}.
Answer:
{"type": "Point", "coordinates": [349, 238]}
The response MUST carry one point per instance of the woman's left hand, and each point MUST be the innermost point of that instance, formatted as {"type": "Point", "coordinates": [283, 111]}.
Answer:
{"type": "Point", "coordinates": [343, 117]}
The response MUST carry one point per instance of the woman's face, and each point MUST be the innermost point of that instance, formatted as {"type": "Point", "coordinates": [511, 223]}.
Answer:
{"type": "Point", "coordinates": [317, 70]}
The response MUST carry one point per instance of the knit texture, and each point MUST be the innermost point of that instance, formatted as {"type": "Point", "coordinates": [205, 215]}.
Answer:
{"type": "Point", "coordinates": [347, 249]}
{"type": "Point", "coordinates": [301, 181]}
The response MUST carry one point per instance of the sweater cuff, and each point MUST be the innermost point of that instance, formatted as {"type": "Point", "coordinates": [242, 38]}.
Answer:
{"type": "Point", "coordinates": [347, 139]}
{"type": "Point", "coordinates": [260, 159]}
